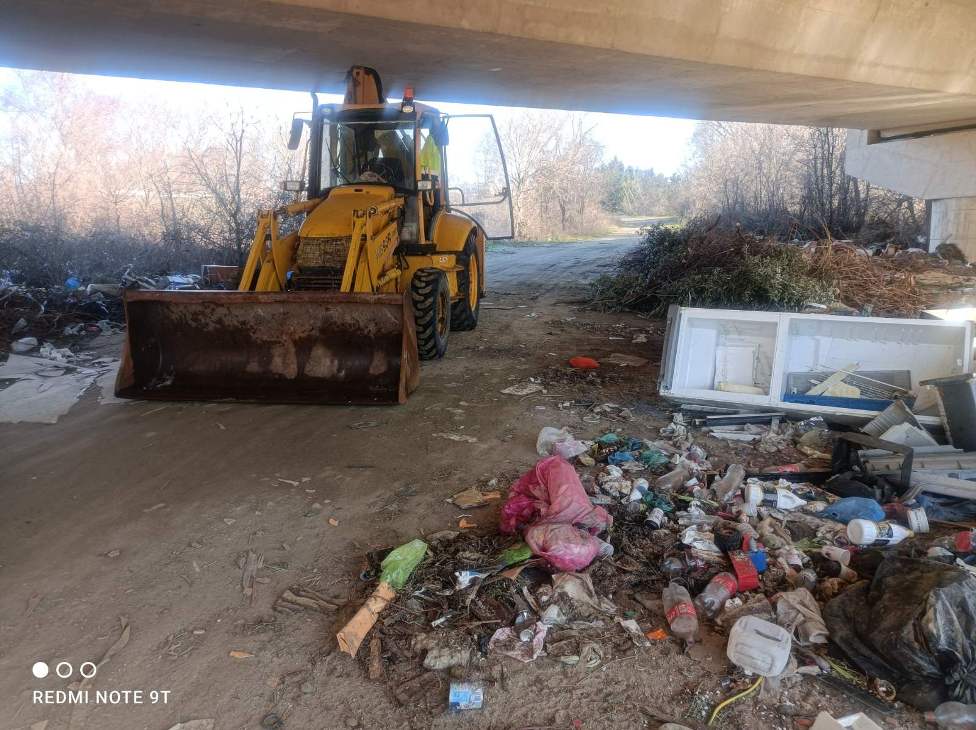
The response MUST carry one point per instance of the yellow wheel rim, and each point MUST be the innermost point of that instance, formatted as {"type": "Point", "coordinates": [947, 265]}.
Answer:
{"type": "Point", "coordinates": [473, 283]}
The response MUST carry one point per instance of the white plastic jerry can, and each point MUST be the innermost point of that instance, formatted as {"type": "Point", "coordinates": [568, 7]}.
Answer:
{"type": "Point", "coordinates": [759, 647]}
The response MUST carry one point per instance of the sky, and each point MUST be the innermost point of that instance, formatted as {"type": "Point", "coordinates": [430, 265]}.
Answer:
{"type": "Point", "coordinates": [660, 143]}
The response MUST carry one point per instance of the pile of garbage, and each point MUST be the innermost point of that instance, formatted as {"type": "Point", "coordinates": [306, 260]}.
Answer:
{"type": "Point", "coordinates": [610, 546]}
{"type": "Point", "coordinates": [30, 315]}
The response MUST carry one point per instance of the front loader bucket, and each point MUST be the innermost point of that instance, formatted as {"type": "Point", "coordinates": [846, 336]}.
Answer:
{"type": "Point", "coordinates": [282, 347]}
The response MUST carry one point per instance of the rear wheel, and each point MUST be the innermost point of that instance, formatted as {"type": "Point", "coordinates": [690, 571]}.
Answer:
{"type": "Point", "coordinates": [464, 312]}
{"type": "Point", "coordinates": [431, 295]}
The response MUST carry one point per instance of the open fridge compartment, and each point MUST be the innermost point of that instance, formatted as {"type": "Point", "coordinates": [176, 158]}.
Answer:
{"type": "Point", "coordinates": [771, 360]}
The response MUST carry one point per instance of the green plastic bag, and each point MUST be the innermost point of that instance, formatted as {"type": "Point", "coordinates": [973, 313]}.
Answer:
{"type": "Point", "coordinates": [516, 554]}
{"type": "Point", "coordinates": [398, 566]}
{"type": "Point", "coordinates": [608, 439]}
{"type": "Point", "coordinates": [653, 457]}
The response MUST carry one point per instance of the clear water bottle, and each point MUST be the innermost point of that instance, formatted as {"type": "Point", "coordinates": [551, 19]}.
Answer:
{"type": "Point", "coordinates": [954, 715]}
{"type": "Point", "coordinates": [719, 589]}
{"type": "Point", "coordinates": [680, 612]}
{"type": "Point", "coordinates": [673, 479]}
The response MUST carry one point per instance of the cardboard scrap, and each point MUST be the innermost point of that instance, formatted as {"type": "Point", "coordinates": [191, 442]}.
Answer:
{"type": "Point", "coordinates": [474, 497]}
{"type": "Point", "coordinates": [619, 358]}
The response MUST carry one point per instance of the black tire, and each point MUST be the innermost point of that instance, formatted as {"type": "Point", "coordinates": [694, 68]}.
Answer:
{"type": "Point", "coordinates": [431, 295]}
{"type": "Point", "coordinates": [464, 312]}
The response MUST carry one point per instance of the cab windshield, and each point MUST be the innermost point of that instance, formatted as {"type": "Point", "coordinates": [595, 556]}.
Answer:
{"type": "Point", "coordinates": [369, 152]}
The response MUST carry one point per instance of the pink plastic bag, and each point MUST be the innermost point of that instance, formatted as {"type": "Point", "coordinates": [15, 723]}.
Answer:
{"type": "Point", "coordinates": [563, 546]}
{"type": "Point", "coordinates": [551, 506]}
{"type": "Point", "coordinates": [551, 492]}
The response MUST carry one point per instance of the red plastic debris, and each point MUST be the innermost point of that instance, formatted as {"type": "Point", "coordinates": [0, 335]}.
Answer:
{"type": "Point", "coordinates": [583, 363]}
{"type": "Point", "coordinates": [745, 570]}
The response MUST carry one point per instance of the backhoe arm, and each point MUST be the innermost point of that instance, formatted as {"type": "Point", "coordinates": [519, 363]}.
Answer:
{"type": "Point", "coordinates": [271, 255]}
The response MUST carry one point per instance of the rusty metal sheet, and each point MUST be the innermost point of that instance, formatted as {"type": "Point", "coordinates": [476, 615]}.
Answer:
{"type": "Point", "coordinates": [283, 347]}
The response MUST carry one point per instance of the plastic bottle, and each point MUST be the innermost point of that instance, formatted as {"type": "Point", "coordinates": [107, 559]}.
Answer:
{"type": "Point", "coordinates": [953, 715]}
{"type": "Point", "coordinates": [656, 519]}
{"type": "Point", "coordinates": [673, 479]}
{"type": "Point", "coordinates": [726, 486]}
{"type": "Point", "coordinates": [695, 515]}
{"type": "Point", "coordinates": [674, 566]}
{"type": "Point", "coordinates": [876, 534]}
{"type": "Point", "coordinates": [719, 589]}
{"type": "Point", "coordinates": [640, 488]}
{"type": "Point", "coordinates": [680, 612]}
{"type": "Point", "coordinates": [763, 496]}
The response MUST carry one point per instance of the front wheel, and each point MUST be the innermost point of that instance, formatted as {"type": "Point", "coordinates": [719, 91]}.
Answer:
{"type": "Point", "coordinates": [431, 296]}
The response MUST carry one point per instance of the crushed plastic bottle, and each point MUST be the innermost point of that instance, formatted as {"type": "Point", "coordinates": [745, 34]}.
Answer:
{"type": "Point", "coordinates": [700, 539]}
{"type": "Point", "coordinates": [719, 589]}
{"type": "Point", "coordinates": [639, 489]}
{"type": "Point", "coordinates": [727, 485]}
{"type": "Point", "coordinates": [953, 716]}
{"type": "Point", "coordinates": [673, 479]}
{"type": "Point", "coordinates": [680, 612]}
{"type": "Point", "coordinates": [695, 515]}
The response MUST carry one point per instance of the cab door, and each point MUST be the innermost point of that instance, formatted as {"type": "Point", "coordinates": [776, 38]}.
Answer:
{"type": "Point", "coordinates": [477, 173]}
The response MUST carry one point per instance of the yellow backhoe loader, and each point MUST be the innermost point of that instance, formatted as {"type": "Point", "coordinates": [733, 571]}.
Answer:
{"type": "Point", "coordinates": [344, 290]}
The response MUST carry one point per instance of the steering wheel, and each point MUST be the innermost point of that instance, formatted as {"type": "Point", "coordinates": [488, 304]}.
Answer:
{"type": "Point", "coordinates": [383, 168]}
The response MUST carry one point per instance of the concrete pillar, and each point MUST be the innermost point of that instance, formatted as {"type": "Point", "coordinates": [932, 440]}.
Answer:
{"type": "Point", "coordinates": [953, 220]}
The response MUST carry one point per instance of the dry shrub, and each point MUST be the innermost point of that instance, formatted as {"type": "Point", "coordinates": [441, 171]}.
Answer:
{"type": "Point", "coordinates": [702, 265]}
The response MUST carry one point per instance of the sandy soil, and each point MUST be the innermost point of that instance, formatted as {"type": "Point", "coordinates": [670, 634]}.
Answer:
{"type": "Point", "coordinates": [143, 510]}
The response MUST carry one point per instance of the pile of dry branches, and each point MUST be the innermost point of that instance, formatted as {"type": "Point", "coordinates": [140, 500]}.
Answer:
{"type": "Point", "coordinates": [870, 284]}
{"type": "Point", "coordinates": [712, 266]}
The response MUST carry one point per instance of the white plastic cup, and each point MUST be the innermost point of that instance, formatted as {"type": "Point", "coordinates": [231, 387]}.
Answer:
{"type": "Point", "coordinates": [839, 554]}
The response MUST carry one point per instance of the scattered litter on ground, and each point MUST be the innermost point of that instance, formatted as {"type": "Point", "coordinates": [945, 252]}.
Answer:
{"type": "Point", "coordinates": [581, 362]}
{"type": "Point", "coordinates": [456, 437]}
{"type": "Point", "coordinates": [613, 545]}
{"type": "Point", "coordinates": [300, 598]}
{"type": "Point", "coordinates": [474, 497]}
{"type": "Point", "coordinates": [618, 358]}
{"type": "Point", "coordinates": [526, 388]}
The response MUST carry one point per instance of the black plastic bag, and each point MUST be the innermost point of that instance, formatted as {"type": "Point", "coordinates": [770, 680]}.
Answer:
{"type": "Point", "coordinates": [913, 624]}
